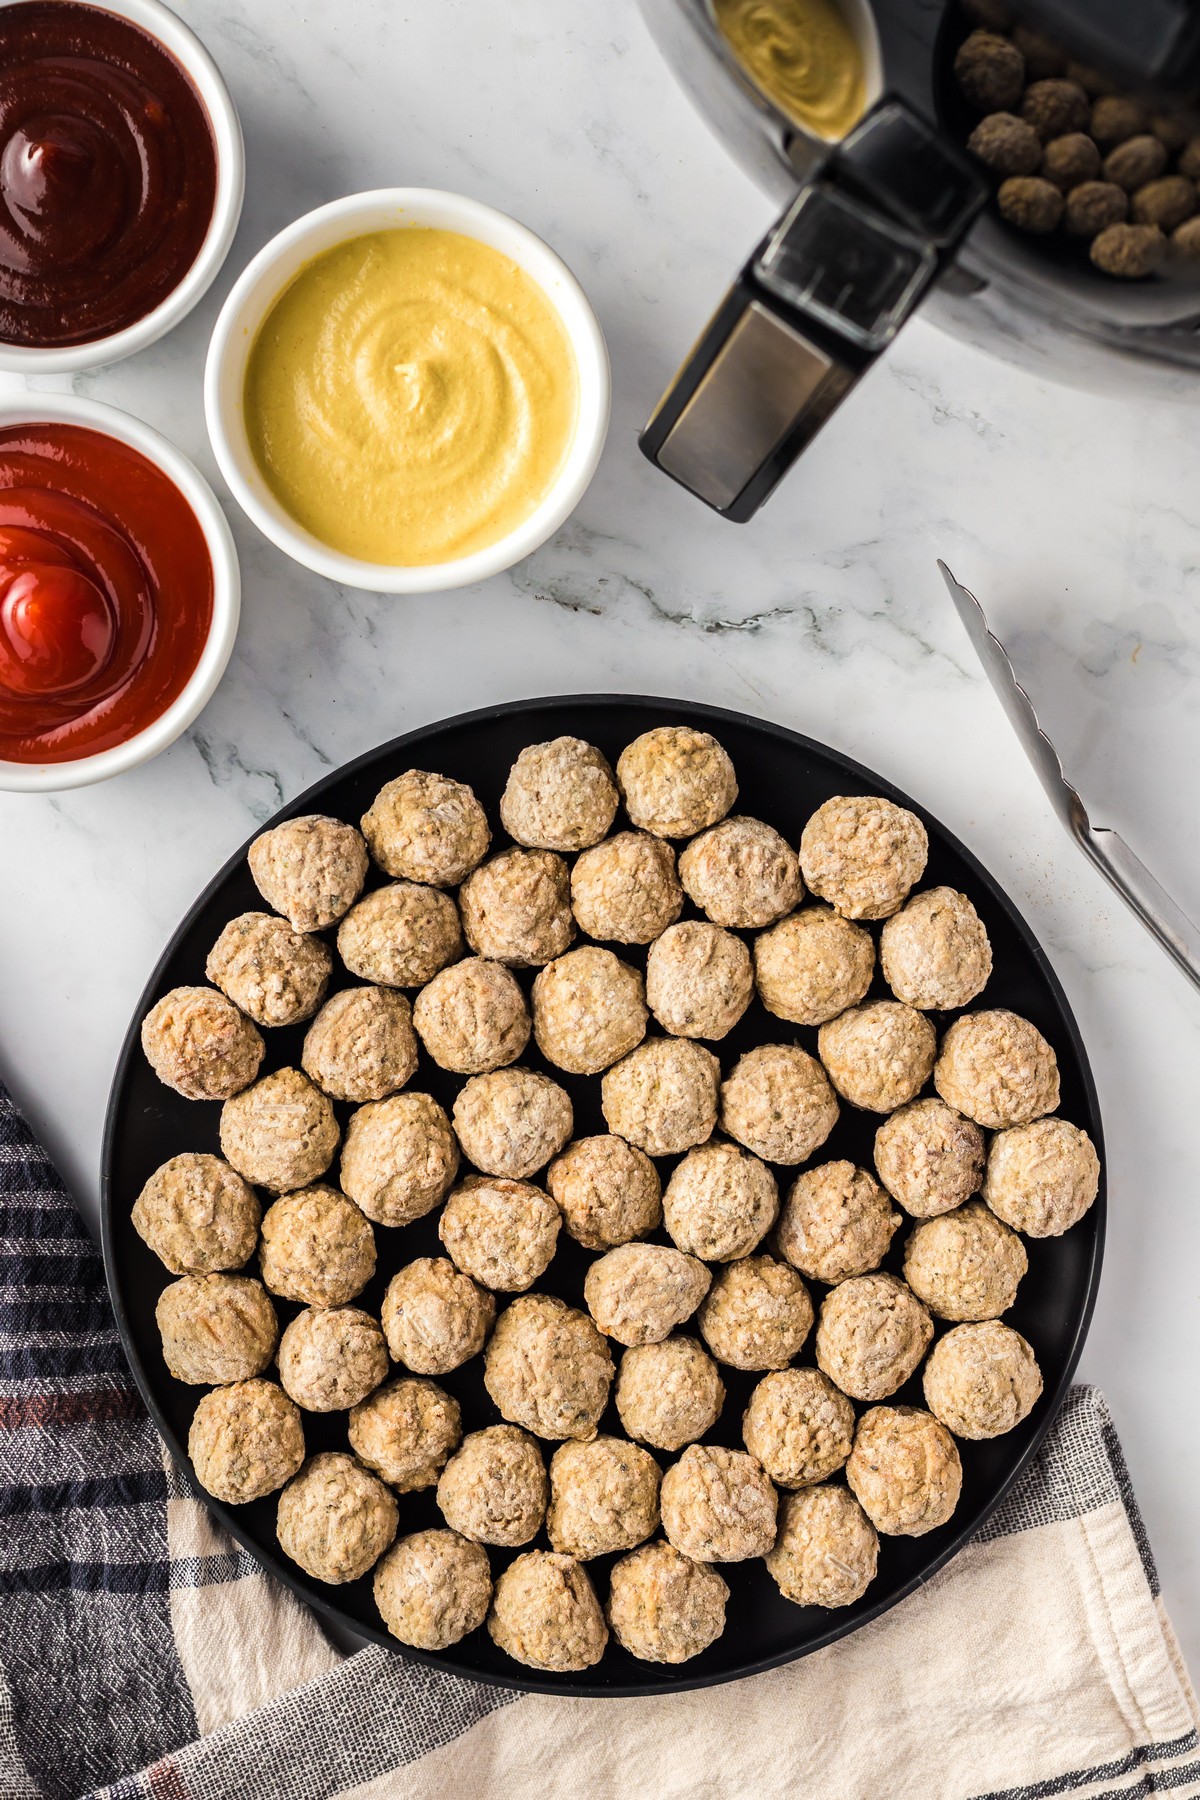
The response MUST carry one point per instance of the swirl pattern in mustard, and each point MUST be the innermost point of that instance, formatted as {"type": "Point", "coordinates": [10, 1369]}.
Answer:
{"type": "Point", "coordinates": [803, 55]}
{"type": "Point", "coordinates": [411, 396]}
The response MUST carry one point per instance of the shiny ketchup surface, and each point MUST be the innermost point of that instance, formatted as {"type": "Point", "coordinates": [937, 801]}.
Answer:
{"type": "Point", "coordinates": [106, 592]}
{"type": "Point", "coordinates": [108, 173]}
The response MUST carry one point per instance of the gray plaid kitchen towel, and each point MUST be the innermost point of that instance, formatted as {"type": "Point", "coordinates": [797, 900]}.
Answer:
{"type": "Point", "coordinates": [143, 1656]}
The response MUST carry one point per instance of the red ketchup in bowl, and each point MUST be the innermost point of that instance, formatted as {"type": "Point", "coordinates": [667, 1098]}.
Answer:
{"type": "Point", "coordinates": [106, 592]}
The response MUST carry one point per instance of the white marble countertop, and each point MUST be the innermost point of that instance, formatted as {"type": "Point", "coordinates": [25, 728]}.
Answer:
{"type": "Point", "coordinates": [1071, 513]}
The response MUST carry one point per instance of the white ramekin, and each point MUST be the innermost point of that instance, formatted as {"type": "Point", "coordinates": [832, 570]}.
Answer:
{"type": "Point", "coordinates": [260, 286]}
{"type": "Point", "coordinates": [161, 23]}
{"type": "Point", "coordinates": [43, 778]}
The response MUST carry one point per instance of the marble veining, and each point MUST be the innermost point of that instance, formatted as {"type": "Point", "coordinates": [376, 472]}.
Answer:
{"type": "Point", "coordinates": [1070, 509]}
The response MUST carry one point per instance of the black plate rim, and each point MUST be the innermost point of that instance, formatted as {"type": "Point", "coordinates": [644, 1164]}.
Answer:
{"type": "Point", "coordinates": [713, 716]}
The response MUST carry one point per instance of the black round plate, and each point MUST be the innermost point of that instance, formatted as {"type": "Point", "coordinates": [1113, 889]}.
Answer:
{"type": "Point", "coordinates": [783, 777]}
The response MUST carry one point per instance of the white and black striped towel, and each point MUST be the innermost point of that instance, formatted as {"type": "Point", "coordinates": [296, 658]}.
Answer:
{"type": "Point", "coordinates": [144, 1657]}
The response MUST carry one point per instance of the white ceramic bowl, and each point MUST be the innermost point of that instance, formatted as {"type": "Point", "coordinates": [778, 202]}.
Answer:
{"type": "Point", "coordinates": [260, 286]}
{"type": "Point", "coordinates": [43, 778]}
{"type": "Point", "coordinates": [161, 23]}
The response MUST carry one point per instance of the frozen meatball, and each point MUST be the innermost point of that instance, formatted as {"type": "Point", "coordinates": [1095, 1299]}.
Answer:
{"type": "Point", "coordinates": [663, 1607]}
{"type": "Point", "coordinates": [400, 935]}
{"type": "Point", "coordinates": [494, 1487]}
{"type": "Point", "coordinates": [427, 828]}
{"type": "Point", "coordinates": [316, 1247]}
{"type": "Point", "coordinates": [1115, 117]}
{"type": "Point", "coordinates": [757, 1314]}
{"type": "Point", "coordinates": [245, 1441]}
{"type": "Point", "coordinates": [1071, 158]}
{"type": "Point", "coordinates": [1056, 109]}
{"type": "Point", "coordinates": [559, 796]}
{"type": "Point", "coordinates": [281, 1133]}
{"type": "Point", "coordinates": [399, 1159]}
{"type": "Point", "coordinates": [836, 1222]}
{"type": "Point", "coordinates": [1008, 145]}
{"type": "Point", "coordinates": [662, 1096]}
{"type": "Point", "coordinates": [545, 1613]}
{"type": "Point", "coordinates": [276, 975]}
{"type": "Point", "coordinates": [675, 781]}
{"type": "Point", "coordinates": [863, 854]}
{"type": "Point", "coordinates": [878, 1056]}
{"type": "Point", "coordinates": [589, 1010]}
{"type": "Point", "coordinates": [638, 1293]}
{"type": "Point", "coordinates": [1030, 203]}
{"type": "Point", "coordinates": [432, 1588]}
{"type": "Point", "coordinates": [935, 951]}
{"type": "Point", "coordinates": [198, 1215]}
{"type": "Point", "coordinates": [517, 908]}
{"type": "Point", "coordinates": [982, 1379]}
{"type": "Point", "coordinates": [904, 1470]}
{"type": "Point", "coordinates": [512, 1121]}
{"type": "Point", "coordinates": [965, 1264]}
{"type": "Point", "coordinates": [813, 965]}
{"type": "Point", "coordinates": [626, 889]}
{"type": "Point", "coordinates": [361, 1046]}
{"type": "Point", "coordinates": [777, 1101]}
{"type": "Point", "coordinates": [198, 1043]}
{"type": "Point", "coordinates": [434, 1317]}
{"type": "Point", "coordinates": [741, 873]}
{"type": "Point", "coordinates": [826, 1552]}
{"type": "Point", "coordinates": [798, 1426]}
{"type": "Point", "coordinates": [603, 1497]}
{"type": "Point", "coordinates": [216, 1328]}
{"type": "Point", "coordinates": [718, 1505]}
{"type": "Point", "coordinates": [1093, 206]}
{"type": "Point", "coordinates": [990, 71]}
{"type": "Point", "coordinates": [699, 980]}
{"type": "Point", "coordinates": [608, 1192]}
{"type": "Point", "coordinates": [669, 1394]}
{"type": "Point", "coordinates": [548, 1368]}
{"type": "Point", "coordinates": [501, 1233]}
{"type": "Point", "coordinates": [720, 1202]}
{"type": "Point", "coordinates": [309, 869]}
{"type": "Point", "coordinates": [1042, 1177]}
{"type": "Point", "coordinates": [330, 1358]}
{"type": "Point", "coordinates": [1165, 203]}
{"type": "Point", "coordinates": [872, 1334]}
{"type": "Point", "coordinates": [1129, 251]}
{"type": "Point", "coordinates": [929, 1157]}
{"type": "Point", "coordinates": [405, 1431]}
{"type": "Point", "coordinates": [472, 1017]}
{"type": "Point", "coordinates": [335, 1518]}
{"type": "Point", "coordinates": [998, 1069]}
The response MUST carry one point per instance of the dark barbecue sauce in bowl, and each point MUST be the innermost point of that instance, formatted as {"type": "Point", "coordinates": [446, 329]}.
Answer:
{"type": "Point", "coordinates": [108, 174]}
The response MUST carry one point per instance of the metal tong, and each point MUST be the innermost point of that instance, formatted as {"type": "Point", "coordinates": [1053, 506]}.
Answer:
{"type": "Point", "coordinates": [1110, 853]}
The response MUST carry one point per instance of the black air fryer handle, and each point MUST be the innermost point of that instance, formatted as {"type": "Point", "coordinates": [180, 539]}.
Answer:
{"type": "Point", "coordinates": [1147, 43]}
{"type": "Point", "coordinates": [821, 297]}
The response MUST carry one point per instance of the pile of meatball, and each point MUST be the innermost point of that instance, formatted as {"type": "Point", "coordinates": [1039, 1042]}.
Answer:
{"type": "Point", "coordinates": [702, 1261]}
{"type": "Point", "coordinates": [1075, 155]}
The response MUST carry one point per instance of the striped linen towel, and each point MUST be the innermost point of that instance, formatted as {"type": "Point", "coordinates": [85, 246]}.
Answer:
{"type": "Point", "coordinates": [136, 1637]}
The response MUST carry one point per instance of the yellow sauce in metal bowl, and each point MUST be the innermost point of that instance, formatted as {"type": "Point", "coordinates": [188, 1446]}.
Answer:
{"type": "Point", "coordinates": [411, 396]}
{"type": "Point", "coordinates": [803, 55]}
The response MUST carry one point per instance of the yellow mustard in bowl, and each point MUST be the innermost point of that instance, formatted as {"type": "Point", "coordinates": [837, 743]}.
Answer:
{"type": "Point", "coordinates": [411, 396]}
{"type": "Point", "coordinates": [804, 56]}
